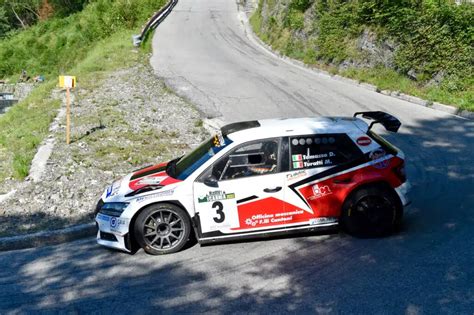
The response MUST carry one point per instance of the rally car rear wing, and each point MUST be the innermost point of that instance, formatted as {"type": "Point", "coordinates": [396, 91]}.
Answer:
{"type": "Point", "coordinates": [388, 121]}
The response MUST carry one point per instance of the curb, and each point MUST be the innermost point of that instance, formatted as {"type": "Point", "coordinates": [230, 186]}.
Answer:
{"type": "Point", "coordinates": [48, 237]}
{"type": "Point", "coordinates": [395, 94]}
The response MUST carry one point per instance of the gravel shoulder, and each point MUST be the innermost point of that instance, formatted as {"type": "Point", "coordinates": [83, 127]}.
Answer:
{"type": "Point", "coordinates": [126, 120]}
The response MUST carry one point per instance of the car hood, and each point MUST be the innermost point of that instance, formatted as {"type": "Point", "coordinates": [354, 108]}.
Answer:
{"type": "Point", "coordinates": [147, 179]}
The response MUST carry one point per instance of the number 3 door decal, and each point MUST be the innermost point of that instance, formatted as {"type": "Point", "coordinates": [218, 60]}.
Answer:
{"type": "Point", "coordinates": [219, 211]}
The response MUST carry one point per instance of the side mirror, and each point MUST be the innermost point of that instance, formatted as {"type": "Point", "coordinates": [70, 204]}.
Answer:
{"type": "Point", "coordinates": [211, 181]}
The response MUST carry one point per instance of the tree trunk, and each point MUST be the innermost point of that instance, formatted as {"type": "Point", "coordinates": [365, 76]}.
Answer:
{"type": "Point", "coordinates": [18, 18]}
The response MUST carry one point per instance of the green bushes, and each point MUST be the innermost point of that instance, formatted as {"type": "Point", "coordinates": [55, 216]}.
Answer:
{"type": "Point", "coordinates": [20, 14]}
{"type": "Point", "coordinates": [54, 46]}
{"type": "Point", "coordinates": [300, 5]}
{"type": "Point", "coordinates": [294, 20]}
{"type": "Point", "coordinates": [433, 39]}
{"type": "Point", "coordinates": [336, 26]}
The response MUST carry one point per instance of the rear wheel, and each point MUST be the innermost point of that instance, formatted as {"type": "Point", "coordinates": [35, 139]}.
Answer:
{"type": "Point", "coordinates": [162, 229]}
{"type": "Point", "coordinates": [371, 212]}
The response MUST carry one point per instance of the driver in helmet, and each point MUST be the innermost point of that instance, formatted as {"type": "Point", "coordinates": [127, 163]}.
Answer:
{"type": "Point", "coordinates": [269, 160]}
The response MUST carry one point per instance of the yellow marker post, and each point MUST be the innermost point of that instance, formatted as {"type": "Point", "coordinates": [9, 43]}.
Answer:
{"type": "Point", "coordinates": [68, 82]}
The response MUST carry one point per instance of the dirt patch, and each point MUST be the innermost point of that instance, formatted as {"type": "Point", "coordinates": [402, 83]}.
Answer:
{"type": "Point", "coordinates": [128, 121]}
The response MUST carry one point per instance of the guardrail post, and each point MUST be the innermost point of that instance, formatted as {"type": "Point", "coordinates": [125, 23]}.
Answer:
{"type": "Point", "coordinates": [137, 39]}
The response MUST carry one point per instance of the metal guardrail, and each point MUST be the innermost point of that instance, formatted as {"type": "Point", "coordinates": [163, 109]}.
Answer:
{"type": "Point", "coordinates": [153, 22]}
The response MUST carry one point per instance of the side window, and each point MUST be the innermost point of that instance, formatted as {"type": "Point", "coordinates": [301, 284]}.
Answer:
{"type": "Point", "coordinates": [256, 158]}
{"type": "Point", "coordinates": [323, 150]}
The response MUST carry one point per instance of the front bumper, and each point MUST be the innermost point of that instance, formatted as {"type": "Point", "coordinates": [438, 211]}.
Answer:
{"type": "Point", "coordinates": [403, 191]}
{"type": "Point", "coordinates": [113, 232]}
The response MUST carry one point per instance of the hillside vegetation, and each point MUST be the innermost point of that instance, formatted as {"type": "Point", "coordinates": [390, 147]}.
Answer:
{"type": "Point", "coordinates": [87, 43]}
{"type": "Point", "coordinates": [420, 47]}
{"type": "Point", "coordinates": [20, 14]}
{"type": "Point", "coordinates": [57, 44]}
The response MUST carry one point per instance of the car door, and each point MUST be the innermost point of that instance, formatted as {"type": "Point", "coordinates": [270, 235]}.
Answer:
{"type": "Point", "coordinates": [242, 191]}
{"type": "Point", "coordinates": [316, 181]}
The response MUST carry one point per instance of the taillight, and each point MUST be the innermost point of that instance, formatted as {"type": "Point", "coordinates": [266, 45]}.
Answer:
{"type": "Point", "coordinates": [400, 172]}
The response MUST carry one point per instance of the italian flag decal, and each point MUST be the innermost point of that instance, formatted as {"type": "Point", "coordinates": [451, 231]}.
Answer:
{"type": "Point", "coordinates": [297, 157]}
{"type": "Point", "coordinates": [297, 164]}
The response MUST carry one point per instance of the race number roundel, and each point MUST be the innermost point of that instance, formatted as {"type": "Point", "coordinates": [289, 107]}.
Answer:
{"type": "Point", "coordinates": [218, 211]}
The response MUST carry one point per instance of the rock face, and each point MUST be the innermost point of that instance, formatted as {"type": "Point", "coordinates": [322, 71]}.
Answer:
{"type": "Point", "coordinates": [376, 52]}
{"type": "Point", "coordinates": [365, 50]}
{"type": "Point", "coordinates": [126, 122]}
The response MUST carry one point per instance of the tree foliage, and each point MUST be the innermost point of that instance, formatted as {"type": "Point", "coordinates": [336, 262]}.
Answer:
{"type": "Point", "coordinates": [15, 14]}
{"type": "Point", "coordinates": [56, 45]}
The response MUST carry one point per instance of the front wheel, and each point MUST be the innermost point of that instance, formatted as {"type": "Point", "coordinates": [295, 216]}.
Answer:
{"type": "Point", "coordinates": [371, 212]}
{"type": "Point", "coordinates": [162, 229]}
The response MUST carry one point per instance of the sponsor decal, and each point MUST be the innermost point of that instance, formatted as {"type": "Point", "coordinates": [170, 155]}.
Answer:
{"type": "Point", "coordinates": [322, 220]}
{"type": "Point", "coordinates": [295, 175]}
{"type": "Point", "coordinates": [109, 191]}
{"type": "Point", "coordinates": [103, 217]}
{"type": "Point", "coordinates": [268, 212]}
{"type": "Point", "coordinates": [113, 189]}
{"type": "Point", "coordinates": [249, 221]}
{"type": "Point", "coordinates": [113, 222]}
{"type": "Point", "coordinates": [155, 195]}
{"type": "Point", "coordinates": [272, 218]}
{"type": "Point", "coordinates": [216, 196]}
{"type": "Point", "coordinates": [161, 179]}
{"type": "Point", "coordinates": [378, 154]}
{"type": "Point", "coordinates": [320, 191]}
{"type": "Point", "coordinates": [149, 180]}
{"type": "Point", "coordinates": [363, 141]}
{"type": "Point", "coordinates": [116, 223]}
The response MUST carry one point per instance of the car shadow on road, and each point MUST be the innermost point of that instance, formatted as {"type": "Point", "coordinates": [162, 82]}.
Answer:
{"type": "Point", "coordinates": [426, 268]}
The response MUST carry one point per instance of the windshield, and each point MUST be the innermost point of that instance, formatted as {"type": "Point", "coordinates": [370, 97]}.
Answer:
{"type": "Point", "coordinates": [182, 168]}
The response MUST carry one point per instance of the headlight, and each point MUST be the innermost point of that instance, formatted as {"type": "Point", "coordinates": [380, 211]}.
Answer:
{"type": "Point", "coordinates": [114, 209]}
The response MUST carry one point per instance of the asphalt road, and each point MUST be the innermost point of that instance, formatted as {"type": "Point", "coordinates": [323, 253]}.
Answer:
{"type": "Point", "coordinates": [203, 52]}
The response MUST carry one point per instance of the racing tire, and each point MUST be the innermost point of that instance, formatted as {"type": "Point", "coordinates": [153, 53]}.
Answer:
{"type": "Point", "coordinates": [162, 229]}
{"type": "Point", "coordinates": [371, 212]}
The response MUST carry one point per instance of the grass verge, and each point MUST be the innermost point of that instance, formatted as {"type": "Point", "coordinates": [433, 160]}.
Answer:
{"type": "Point", "coordinates": [388, 79]}
{"type": "Point", "coordinates": [26, 124]}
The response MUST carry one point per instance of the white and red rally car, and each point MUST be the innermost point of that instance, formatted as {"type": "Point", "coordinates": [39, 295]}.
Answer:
{"type": "Point", "coordinates": [260, 178]}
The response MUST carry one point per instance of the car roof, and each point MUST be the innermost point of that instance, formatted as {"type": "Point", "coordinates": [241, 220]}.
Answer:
{"type": "Point", "coordinates": [269, 128]}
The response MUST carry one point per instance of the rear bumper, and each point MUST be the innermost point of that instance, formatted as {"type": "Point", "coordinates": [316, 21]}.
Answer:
{"type": "Point", "coordinates": [403, 191]}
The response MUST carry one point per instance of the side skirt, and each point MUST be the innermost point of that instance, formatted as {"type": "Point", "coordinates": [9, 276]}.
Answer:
{"type": "Point", "coordinates": [266, 234]}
